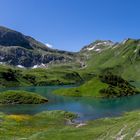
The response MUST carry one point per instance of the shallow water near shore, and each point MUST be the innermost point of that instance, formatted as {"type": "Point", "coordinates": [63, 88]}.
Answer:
{"type": "Point", "coordinates": [87, 108]}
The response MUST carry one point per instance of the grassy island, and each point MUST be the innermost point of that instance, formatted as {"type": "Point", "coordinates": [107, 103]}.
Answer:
{"type": "Point", "coordinates": [104, 86]}
{"type": "Point", "coordinates": [21, 97]}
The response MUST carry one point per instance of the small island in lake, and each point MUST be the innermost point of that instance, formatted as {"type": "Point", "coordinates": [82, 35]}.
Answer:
{"type": "Point", "coordinates": [105, 85]}
{"type": "Point", "coordinates": [21, 97]}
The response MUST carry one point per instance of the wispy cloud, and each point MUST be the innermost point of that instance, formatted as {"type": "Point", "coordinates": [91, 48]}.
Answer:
{"type": "Point", "coordinates": [49, 45]}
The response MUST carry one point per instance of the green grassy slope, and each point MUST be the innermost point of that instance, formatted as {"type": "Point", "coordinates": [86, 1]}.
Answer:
{"type": "Point", "coordinates": [51, 125]}
{"type": "Point", "coordinates": [12, 77]}
{"type": "Point", "coordinates": [123, 59]}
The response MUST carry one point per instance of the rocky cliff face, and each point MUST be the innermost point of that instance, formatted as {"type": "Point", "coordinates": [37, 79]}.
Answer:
{"type": "Point", "coordinates": [18, 49]}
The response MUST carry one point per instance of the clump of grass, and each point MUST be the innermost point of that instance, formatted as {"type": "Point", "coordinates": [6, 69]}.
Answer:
{"type": "Point", "coordinates": [19, 118]}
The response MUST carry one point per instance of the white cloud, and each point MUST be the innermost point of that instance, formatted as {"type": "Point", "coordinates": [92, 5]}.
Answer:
{"type": "Point", "coordinates": [49, 45]}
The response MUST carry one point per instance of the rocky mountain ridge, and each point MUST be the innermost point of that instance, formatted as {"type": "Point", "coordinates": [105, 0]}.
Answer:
{"type": "Point", "coordinates": [24, 51]}
{"type": "Point", "coordinates": [18, 49]}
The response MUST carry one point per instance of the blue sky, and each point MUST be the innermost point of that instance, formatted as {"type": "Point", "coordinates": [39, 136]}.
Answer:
{"type": "Point", "coordinates": [71, 24]}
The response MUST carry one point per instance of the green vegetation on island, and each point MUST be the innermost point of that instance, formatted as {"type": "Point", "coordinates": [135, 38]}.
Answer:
{"type": "Point", "coordinates": [21, 97]}
{"type": "Point", "coordinates": [105, 85]}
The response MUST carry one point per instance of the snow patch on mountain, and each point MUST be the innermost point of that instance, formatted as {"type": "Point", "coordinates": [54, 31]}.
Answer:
{"type": "Point", "coordinates": [40, 66]}
{"type": "Point", "coordinates": [91, 48]}
{"type": "Point", "coordinates": [99, 46]}
{"type": "Point", "coordinates": [2, 63]}
{"type": "Point", "coordinates": [20, 66]}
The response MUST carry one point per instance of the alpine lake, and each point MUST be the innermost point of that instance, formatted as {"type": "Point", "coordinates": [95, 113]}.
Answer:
{"type": "Point", "coordinates": [87, 108]}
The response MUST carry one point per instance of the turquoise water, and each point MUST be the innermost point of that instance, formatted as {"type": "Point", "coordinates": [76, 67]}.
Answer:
{"type": "Point", "coordinates": [86, 108]}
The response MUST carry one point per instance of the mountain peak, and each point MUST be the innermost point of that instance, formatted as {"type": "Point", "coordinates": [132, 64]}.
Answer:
{"type": "Point", "coordinates": [131, 42]}
{"type": "Point", "coordinates": [98, 45]}
{"type": "Point", "coordinates": [9, 37]}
